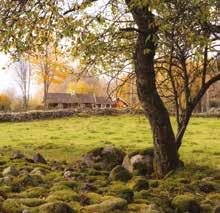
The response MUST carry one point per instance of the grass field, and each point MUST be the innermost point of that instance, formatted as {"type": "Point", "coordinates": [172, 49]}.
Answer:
{"type": "Point", "coordinates": [67, 139]}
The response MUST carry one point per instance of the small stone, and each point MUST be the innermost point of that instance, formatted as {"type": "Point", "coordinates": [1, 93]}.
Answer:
{"type": "Point", "coordinates": [38, 158]}
{"type": "Point", "coordinates": [38, 171]}
{"type": "Point", "coordinates": [10, 171]}
{"type": "Point", "coordinates": [7, 179]}
{"type": "Point", "coordinates": [89, 187]}
{"type": "Point", "coordinates": [17, 155]}
{"type": "Point", "coordinates": [207, 186]}
{"type": "Point", "coordinates": [25, 211]}
{"type": "Point", "coordinates": [69, 168]}
{"type": "Point", "coordinates": [154, 209]}
{"type": "Point", "coordinates": [67, 174]}
{"type": "Point", "coordinates": [84, 200]}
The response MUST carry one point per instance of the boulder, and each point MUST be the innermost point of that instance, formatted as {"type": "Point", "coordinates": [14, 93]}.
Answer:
{"type": "Point", "coordinates": [104, 158]}
{"type": "Point", "coordinates": [140, 163]}
{"type": "Point", "coordinates": [56, 207]}
{"type": "Point", "coordinates": [38, 158]}
{"type": "Point", "coordinates": [185, 203]}
{"type": "Point", "coordinates": [10, 171]}
{"type": "Point", "coordinates": [119, 173]}
{"type": "Point", "coordinates": [110, 205]}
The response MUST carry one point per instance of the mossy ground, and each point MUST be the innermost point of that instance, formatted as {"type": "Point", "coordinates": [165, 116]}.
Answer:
{"type": "Point", "coordinates": [67, 139]}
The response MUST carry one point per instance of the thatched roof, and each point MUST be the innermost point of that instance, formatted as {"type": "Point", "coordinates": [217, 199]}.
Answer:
{"type": "Point", "coordinates": [61, 98]}
{"type": "Point", "coordinates": [85, 98]}
{"type": "Point", "coordinates": [103, 100]}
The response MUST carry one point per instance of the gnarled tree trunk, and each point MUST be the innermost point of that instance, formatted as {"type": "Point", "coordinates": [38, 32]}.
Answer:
{"type": "Point", "coordinates": [166, 155]}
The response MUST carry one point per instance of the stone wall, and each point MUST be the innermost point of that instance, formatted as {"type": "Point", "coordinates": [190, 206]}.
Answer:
{"type": "Point", "coordinates": [52, 114]}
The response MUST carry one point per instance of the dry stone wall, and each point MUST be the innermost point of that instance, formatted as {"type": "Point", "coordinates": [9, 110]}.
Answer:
{"type": "Point", "coordinates": [52, 114]}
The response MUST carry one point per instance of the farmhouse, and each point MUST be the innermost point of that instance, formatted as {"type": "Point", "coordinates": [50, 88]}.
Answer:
{"type": "Point", "coordinates": [76, 100]}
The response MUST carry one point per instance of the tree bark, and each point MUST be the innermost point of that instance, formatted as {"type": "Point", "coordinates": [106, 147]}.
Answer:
{"type": "Point", "coordinates": [165, 150]}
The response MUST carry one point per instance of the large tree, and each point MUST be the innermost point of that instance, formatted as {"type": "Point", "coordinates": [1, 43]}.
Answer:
{"type": "Point", "coordinates": [114, 36]}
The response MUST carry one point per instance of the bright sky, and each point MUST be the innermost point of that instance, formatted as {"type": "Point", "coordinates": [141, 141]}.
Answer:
{"type": "Point", "coordinates": [6, 77]}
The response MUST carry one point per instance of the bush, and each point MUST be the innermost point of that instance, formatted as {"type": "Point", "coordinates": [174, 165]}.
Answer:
{"type": "Point", "coordinates": [5, 103]}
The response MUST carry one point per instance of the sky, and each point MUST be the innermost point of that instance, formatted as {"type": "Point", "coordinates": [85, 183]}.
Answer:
{"type": "Point", "coordinates": [8, 79]}
{"type": "Point", "coordinates": [6, 76]}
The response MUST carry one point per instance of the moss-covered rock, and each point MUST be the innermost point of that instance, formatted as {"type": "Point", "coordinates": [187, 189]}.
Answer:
{"type": "Point", "coordinates": [214, 198]}
{"type": "Point", "coordinates": [104, 158]}
{"type": "Point", "coordinates": [35, 192]}
{"type": "Point", "coordinates": [206, 208]}
{"type": "Point", "coordinates": [137, 207]}
{"type": "Point", "coordinates": [139, 162]}
{"type": "Point", "coordinates": [119, 189]}
{"type": "Point", "coordinates": [64, 195]}
{"type": "Point", "coordinates": [13, 206]}
{"type": "Point", "coordinates": [63, 185]}
{"type": "Point", "coordinates": [126, 194]}
{"type": "Point", "coordinates": [56, 207]}
{"type": "Point", "coordinates": [29, 180]}
{"type": "Point", "coordinates": [208, 186]}
{"type": "Point", "coordinates": [138, 184]}
{"type": "Point", "coordinates": [185, 203]}
{"type": "Point", "coordinates": [216, 209]}
{"type": "Point", "coordinates": [94, 198]}
{"type": "Point", "coordinates": [153, 183]}
{"type": "Point", "coordinates": [112, 204]}
{"type": "Point", "coordinates": [119, 173]}
{"type": "Point", "coordinates": [32, 202]}
{"type": "Point", "coordinates": [11, 170]}
{"type": "Point", "coordinates": [143, 194]}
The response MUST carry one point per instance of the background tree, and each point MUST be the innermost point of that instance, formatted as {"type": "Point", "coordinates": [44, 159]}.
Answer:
{"type": "Point", "coordinates": [23, 72]}
{"type": "Point", "coordinates": [5, 102]}
{"type": "Point", "coordinates": [50, 68]}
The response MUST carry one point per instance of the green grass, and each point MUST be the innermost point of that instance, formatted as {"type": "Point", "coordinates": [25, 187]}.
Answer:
{"type": "Point", "coordinates": [67, 139]}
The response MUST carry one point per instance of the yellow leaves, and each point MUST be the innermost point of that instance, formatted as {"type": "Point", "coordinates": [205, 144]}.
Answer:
{"type": "Point", "coordinates": [80, 87]}
{"type": "Point", "coordinates": [5, 102]}
{"type": "Point", "coordinates": [50, 66]}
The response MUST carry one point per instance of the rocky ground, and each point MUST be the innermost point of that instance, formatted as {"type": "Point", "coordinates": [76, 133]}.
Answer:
{"type": "Point", "coordinates": [105, 180]}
